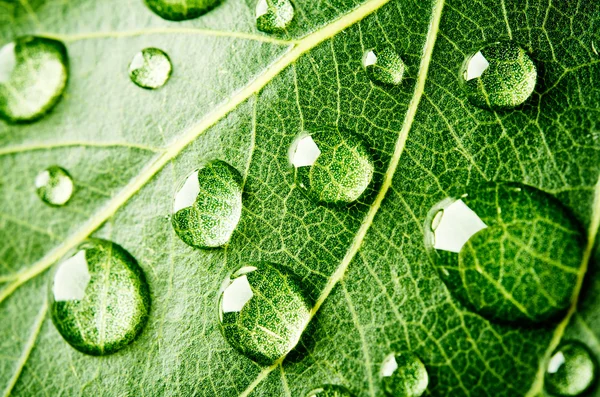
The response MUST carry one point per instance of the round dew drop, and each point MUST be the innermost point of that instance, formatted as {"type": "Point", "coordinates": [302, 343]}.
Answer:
{"type": "Point", "coordinates": [150, 68]}
{"type": "Point", "coordinates": [99, 298]}
{"type": "Point", "coordinates": [498, 76]}
{"type": "Point", "coordinates": [510, 252]}
{"type": "Point", "coordinates": [384, 66]}
{"type": "Point", "coordinates": [180, 10]}
{"type": "Point", "coordinates": [33, 76]}
{"type": "Point", "coordinates": [273, 16]}
{"type": "Point", "coordinates": [208, 205]}
{"type": "Point", "coordinates": [332, 166]}
{"type": "Point", "coordinates": [54, 186]}
{"type": "Point", "coordinates": [330, 391]}
{"type": "Point", "coordinates": [404, 375]}
{"type": "Point", "coordinates": [572, 370]}
{"type": "Point", "coordinates": [263, 311]}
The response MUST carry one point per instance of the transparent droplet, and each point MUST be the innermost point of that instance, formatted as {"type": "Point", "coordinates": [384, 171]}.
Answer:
{"type": "Point", "coordinates": [33, 76]}
{"type": "Point", "coordinates": [150, 68]}
{"type": "Point", "coordinates": [572, 370]}
{"type": "Point", "coordinates": [273, 16]}
{"type": "Point", "coordinates": [332, 166]}
{"type": "Point", "coordinates": [498, 76]}
{"type": "Point", "coordinates": [384, 66]}
{"type": "Point", "coordinates": [330, 391]}
{"type": "Point", "coordinates": [263, 311]}
{"type": "Point", "coordinates": [54, 186]}
{"type": "Point", "coordinates": [208, 205]}
{"type": "Point", "coordinates": [99, 298]}
{"type": "Point", "coordinates": [509, 251]}
{"type": "Point", "coordinates": [404, 375]}
{"type": "Point", "coordinates": [180, 10]}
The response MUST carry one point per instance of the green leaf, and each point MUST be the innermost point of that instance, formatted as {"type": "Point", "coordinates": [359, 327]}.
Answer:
{"type": "Point", "coordinates": [242, 96]}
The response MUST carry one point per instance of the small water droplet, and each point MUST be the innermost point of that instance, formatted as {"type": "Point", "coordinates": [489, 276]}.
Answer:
{"type": "Point", "coordinates": [404, 375]}
{"type": "Point", "coordinates": [150, 68]}
{"type": "Point", "coordinates": [263, 311]}
{"type": "Point", "coordinates": [33, 76]}
{"type": "Point", "coordinates": [332, 166]}
{"type": "Point", "coordinates": [330, 391]}
{"type": "Point", "coordinates": [384, 66]}
{"type": "Point", "coordinates": [54, 186]}
{"type": "Point", "coordinates": [208, 205]}
{"type": "Point", "coordinates": [498, 76]}
{"type": "Point", "coordinates": [572, 370]}
{"type": "Point", "coordinates": [180, 10]}
{"type": "Point", "coordinates": [273, 16]}
{"type": "Point", "coordinates": [99, 298]}
{"type": "Point", "coordinates": [509, 251]}
{"type": "Point", "coordinates": [594, 48]}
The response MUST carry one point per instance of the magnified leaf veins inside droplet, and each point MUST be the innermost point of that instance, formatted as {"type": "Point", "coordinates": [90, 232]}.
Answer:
{"type": "Point", "coordinates": [33, 76]}
{"type": "Point", "coordinates": [384, 66]}
{"type": "Point", "coordinates": [208, 205]}
{"type": "Point", "coordinates": [54, 186]}
{"type": "Point", "coordinates": [180, 10]}
{"type": "Point", "coordinates": [498, 76]}
{"type": "Point", "coordinates": [150, 68]}
{"type": "Point", "coordinates": [332, 166]}
{"type": "Point", "coordinates": [330, 391]}
{"type": "Point", "coordinates": [263, 311]}
{"type": "Point", "coordinates": [404, 375]}
{"type": "Point", "coordinates": [572, 370]}
{"type": "Point", "coordinates": [510, 252]}
{"type": "Point", "coordinates": [99, 298]}
{"type": "Point", "coordinates": [273, 16]}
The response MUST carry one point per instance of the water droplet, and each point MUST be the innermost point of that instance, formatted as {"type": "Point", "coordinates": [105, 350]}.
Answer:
{"type": "Point", "coordinates": [150, 68]}
{"type": "Point", "coordinates": [208, 205]}
{"type": "Point", "coordinates": [572, 370]}
{"type": "Point", "coordinates": [594, 48]}
{"type": "Point", "coordinates": [509, 251]}
{"type": "Point", "coordinates": [273, 16]}
{"type": "Point", "coordinates": [33, 77]}
{"type": "Point", "coordinates": [263, 311]}
{"type": "Point", "coordinates": [404, 375]}
{"type": "Point", "coordinates": [180, 10]}
{"type": "Point", "coordinates": [54, 186]}
{"type": "Point", "coordinates": [330, 391]}
{"type": "Point", "coordinates": [498, 76]}
{"type": "Point", "coordinates": [384, 66]}
{"type": "Point", "coordinates": [99, 298]}
{"type": "Point", "coordinates": [332, 166]}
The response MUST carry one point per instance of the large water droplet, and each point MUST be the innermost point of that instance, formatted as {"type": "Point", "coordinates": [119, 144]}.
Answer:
{"type": "Point", "coordinates": [332, 166]}
{"type": "Point", "coordinates": [273, 16]}
{"type": "Point", "coordinates": [180, 10]}
{"type": "Point", "coordinates": [33, 76]}
{"type": "Point", "coordinates": [498, 76]}
{"type": "Point", "coordinates": [404, 375]}
{"type": "Point", "coordinates": [150, 68]}
{"type": "Point", "coordinates": [99, 298]}
{"type": "Point", "coordinates": [263, 311]}
{"type": "Point", "coordinates": [54, 186]}
{"type": "Point", "coordinates": [330, 391]}
{"type": "Point", "coordinates": [509, 251]}
{"type": "Point", "coordinates": [208, 205]}
{"type": "Point", "coordinates": [384, 66]}
{"type": "Point", "coordinates": [572, 370]}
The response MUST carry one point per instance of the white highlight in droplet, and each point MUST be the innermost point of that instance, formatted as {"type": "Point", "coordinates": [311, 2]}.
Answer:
{"type": "Point", "coordinates": [186, 196]}
{"type": "Point", "coordinates": [555, 362]}
{"type": "Point", "coordinates": [370, 59]}
{"type": "Point", "coordinates": [8, 61]}
{"type": "Point", "coordinates": [305, 152]}
{"type": "Point", "coordinates": [477, 65]}
{"type": "Point", "coordinates": [456, 225]}
{"type": "Point", "coordinates": [71, 279]}
{"type": "Point", "coordinates": [137, 62]}
{"type": "Point", "coordinates": [389, 365]}
{"type": "Point", "coordinates": [236, 295]}
{"type": "Point", "coordinates": [261, 8]}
